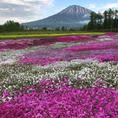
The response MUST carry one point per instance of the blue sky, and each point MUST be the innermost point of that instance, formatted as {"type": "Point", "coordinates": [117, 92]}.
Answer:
{"type": "Point", "coordinates": [95, 5]}
{"type": "Point", "coordinates": [30, 10]}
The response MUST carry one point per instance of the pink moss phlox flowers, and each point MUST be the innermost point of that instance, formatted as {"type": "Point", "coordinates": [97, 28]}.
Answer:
{"type": "Point", "coordinates": [110, 34]}
{"type": "Point", "coordinates": [46, 100]}
{"type": "Point", "coordinates": [102, 51]}
{"type": "Point", "coordinates": [25, 43]}
{"type": "Point", "coordinates": [112, 44]}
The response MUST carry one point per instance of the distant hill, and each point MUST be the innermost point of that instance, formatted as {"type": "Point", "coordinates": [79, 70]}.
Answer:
{"type": "Point", "coordinates": [73, 16]}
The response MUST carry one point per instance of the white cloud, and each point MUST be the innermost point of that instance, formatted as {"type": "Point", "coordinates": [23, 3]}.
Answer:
{"type": "Point", "coordinates": [17, 2]}
{"type": "Point", "coordinates": [22, 10]}
{"type": "Point", "coordinates": [91, 6]}
{"type": "Point", "coordinates": [110, 5]}
{"type": "Point", "coordinates": [29, 2]}
{"type": "Point", "coordinates": [86, 16]}
{"type": "Point", "coordinates": [84, 22]}
{"type": "Point", "coordinates": [18, 19]}
{"type": "Point", "coordinates": [101, 8]}
{"type": "Point", "coordinates": [4, 9]}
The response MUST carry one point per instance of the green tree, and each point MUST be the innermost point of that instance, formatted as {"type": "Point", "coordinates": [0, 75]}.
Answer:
{"type": "Point", "coordinates": [10, 26]}
{"type": "Point", "coordinates": [63, 28]}
{"type": "Point", "coordinates": [115, 23]}
{"type": "Point", "coordinates": [99, 19]}
{"type": "Point", "coordinates": [92, 23]}
{"type": "Point", "coordinates": [57, 29]}
{"type": "Point", "coordinates": [110, 18]}
{"type": "Point", "coordinates": [1, 28]}
{"type": "Point", "coordinates": [44, 28]}
{"type": "Point", "coordinates": [105, 24]}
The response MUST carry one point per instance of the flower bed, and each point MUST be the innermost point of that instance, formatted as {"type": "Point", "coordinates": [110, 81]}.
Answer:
{"type": "Point", "coordinates": [81, 51]}
{"type": "Point", "coordinates": [89, 63]}
{"type": "Point", "coordinates": [53, 99]}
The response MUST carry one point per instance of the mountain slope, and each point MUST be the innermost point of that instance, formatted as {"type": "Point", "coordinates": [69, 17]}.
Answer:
{"type": "Point", "coordinates": [73, 16]}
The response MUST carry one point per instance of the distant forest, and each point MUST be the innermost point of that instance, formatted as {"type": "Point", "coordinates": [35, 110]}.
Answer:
{"type": "Point", "coordinates": [107, 21]}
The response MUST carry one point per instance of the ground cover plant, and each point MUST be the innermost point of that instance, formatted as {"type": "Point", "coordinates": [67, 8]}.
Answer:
{"type": "Point", "coordinates": [59, 77]}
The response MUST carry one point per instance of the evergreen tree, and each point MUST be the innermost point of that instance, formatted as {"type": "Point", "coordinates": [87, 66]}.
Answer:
{"type": "Point", "coordinates": [99, 20]}
{"type": "Point", "coordinates": [105, 24]}
{"type": "Point", "coordinates": [115, 23]}
{"type": "Point", "coordinates": [108, 21]}
{"type": "Point", "coordinates": [92, 23]}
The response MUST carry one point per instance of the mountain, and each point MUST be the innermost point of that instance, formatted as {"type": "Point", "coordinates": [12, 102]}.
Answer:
{"type": "Point", "coordinates": [73, 16]}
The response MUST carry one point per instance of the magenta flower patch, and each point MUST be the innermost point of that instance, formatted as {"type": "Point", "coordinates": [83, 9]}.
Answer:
{"type": "Point", "coordinates": [102, 51]}
{"type": "Point", "coordinates": [45, 100]}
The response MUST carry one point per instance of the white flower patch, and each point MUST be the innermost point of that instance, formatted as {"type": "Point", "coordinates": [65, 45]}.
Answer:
{"type": "Point", "coordinates": [8, 61]}
{"type": "Point", "coordinates": [85, 71]}
{"type": "Point", "coordinates": [101, 64]}
{"type": "Point", "coordinates": [8, 54]}
{"type": "Point", "coordinates": [13, 76]}
{"type": "Point", "coordinates": [103, 39]}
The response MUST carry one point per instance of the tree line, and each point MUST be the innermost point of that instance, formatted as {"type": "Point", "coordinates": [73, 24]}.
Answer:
{"type": "Point", "coordinates": [63, 28]}
{"type": "Point", "coordinates": [107, 21]}
{"type": "Point", "coordinates": [11, 26]}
